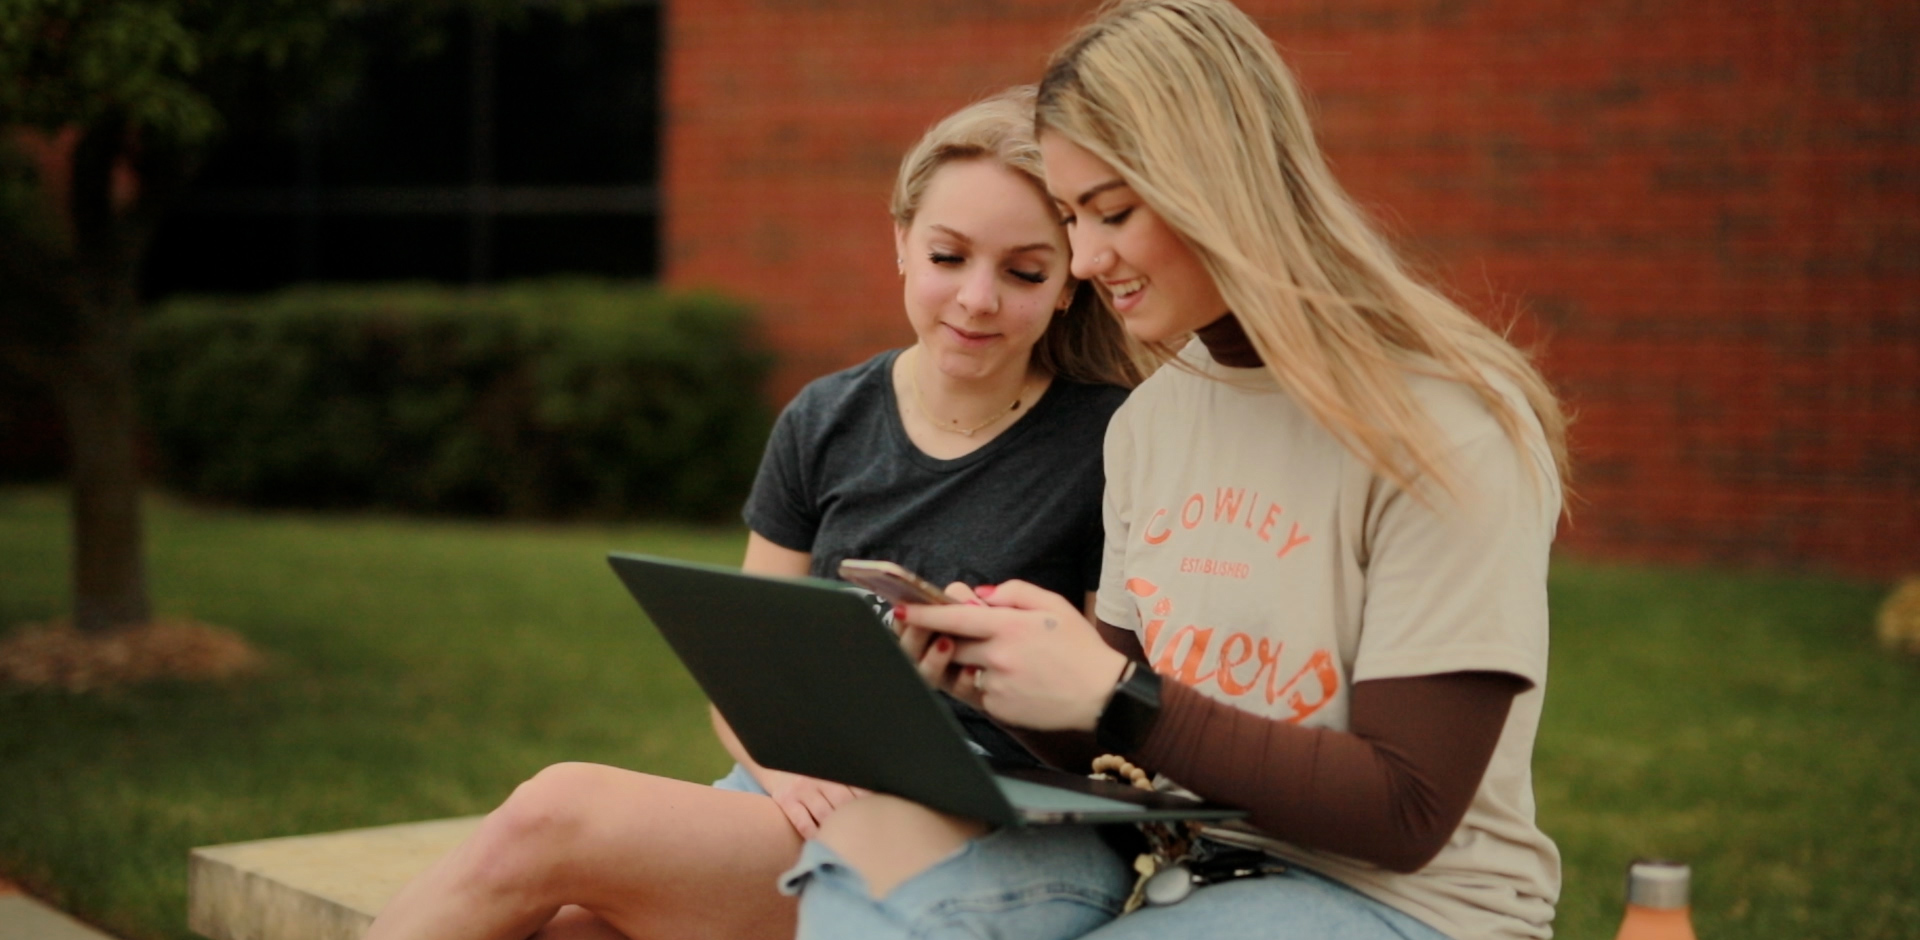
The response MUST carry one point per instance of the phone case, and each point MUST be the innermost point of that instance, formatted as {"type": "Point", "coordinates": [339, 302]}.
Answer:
{"type": "Point", "coordinates": [892, 582]}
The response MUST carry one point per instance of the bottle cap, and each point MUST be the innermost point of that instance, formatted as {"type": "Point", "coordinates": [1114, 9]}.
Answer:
{"type": "Point", "coordinates": [1656, 882]}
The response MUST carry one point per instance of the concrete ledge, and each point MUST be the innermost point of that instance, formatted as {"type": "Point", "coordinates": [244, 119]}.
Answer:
{"type": "Point", "coordinates": [23, 918]}
{"type": "Point", "coordinates": [319, 887]}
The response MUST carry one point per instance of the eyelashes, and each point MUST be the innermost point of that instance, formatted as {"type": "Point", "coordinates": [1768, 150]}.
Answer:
{"type": "Point", "coordinates": [947, 259]}
{"type": "Point", "coordinates": [1114, 219]}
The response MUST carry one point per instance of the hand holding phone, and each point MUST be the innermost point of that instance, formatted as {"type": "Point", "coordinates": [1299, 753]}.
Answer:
{"type": "Point", "coordinates": [931, 653]}
{"type": "Point", "coordinates": [892, 582]}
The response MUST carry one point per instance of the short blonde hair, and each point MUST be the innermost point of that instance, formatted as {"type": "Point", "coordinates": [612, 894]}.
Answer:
{"type": "Point", "coordinates": [1086, 342]}
{"type": "Point", "coordinates": [1190, 103]}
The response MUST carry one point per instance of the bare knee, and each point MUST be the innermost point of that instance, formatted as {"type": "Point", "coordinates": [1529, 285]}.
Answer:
{"type": "Point", "coordinates": [528, 840]}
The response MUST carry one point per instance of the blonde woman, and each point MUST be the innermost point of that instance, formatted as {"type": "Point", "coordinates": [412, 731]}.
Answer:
{"type": "Point", "coordinates": [971, 455]}
{"type": "Point", "coordinates": [1327, 528]}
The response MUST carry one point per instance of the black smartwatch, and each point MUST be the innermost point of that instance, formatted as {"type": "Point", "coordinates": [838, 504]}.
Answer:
{"type": "Point", "coordinates": [1132, 711]}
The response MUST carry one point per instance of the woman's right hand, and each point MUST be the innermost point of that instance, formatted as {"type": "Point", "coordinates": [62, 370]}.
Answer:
{"type": "Point", "coordinates": [807, 801]}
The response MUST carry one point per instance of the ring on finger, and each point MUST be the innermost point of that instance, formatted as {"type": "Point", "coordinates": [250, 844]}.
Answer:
{"type": "Point", "coordinates": [980, 679]}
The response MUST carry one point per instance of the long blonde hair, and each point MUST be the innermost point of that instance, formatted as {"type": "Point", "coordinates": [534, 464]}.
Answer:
{"type": "Point", "coordinates": [1085, 342]}
{"type": "Point", "coordinates": [1190, 103]}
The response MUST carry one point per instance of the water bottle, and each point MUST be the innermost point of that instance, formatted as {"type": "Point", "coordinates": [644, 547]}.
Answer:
{"type": "Point", "coordinates": [1657, 902]}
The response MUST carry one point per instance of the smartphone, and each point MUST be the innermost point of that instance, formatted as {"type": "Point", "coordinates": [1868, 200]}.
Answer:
{"type": "Point", "coordinates": [892, 582]}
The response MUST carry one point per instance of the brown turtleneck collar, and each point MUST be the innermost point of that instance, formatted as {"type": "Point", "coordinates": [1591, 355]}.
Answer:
{"type": "Point", "coordinates": [1227, 342]}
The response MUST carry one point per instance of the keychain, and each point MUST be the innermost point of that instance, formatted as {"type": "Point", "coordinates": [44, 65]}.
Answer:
{"type": "Point", "coordinates": [1177, 863]}
{"type": "Point", "coordinates": [1172, 884]}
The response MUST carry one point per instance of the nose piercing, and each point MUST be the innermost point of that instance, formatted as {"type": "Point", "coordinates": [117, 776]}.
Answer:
{"type": "Point", "coordinates": [1100, 260]}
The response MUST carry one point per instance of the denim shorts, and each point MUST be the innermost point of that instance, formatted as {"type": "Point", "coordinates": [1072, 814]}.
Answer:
{"type": "Point", "coordinates": [1061, 882]}
{"type": "Point", "coordinates": [1039, 883]}
{"type": "Point", "coordinates": [1296, 904]}
{"type": "Point", "coordinates": [740, 781]}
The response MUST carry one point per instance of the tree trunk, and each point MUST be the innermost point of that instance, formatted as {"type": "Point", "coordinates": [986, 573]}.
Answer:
{"type": "Point", "coordinates": [97, 391]}
{"type": "Point", "coordinates": [109, 563]}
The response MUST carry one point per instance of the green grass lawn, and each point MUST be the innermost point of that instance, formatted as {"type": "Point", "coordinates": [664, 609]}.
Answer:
{"type": "Point", "coordinates": [1745, 723]}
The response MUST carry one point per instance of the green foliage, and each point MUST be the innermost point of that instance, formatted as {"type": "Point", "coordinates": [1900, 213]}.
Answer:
{"type": "Point", "coordinates": [176, 69]}
{"type": "Point", "coordinates": [160, 66]}
{"type": "Point", "coordinates": [73, 61]}
{"type": "Point", "coordinates": [548, 399]}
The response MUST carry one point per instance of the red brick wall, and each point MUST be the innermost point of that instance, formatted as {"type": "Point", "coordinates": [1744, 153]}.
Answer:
{"type": "Point", "coordinates": [1708, 213]}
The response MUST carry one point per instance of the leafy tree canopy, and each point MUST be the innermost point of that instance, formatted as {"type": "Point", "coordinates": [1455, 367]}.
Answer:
{"type": "Point", "coordinates": [178, 69]}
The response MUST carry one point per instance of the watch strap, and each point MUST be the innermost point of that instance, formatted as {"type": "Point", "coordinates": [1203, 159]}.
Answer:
{"type": "Point", "coordinates": [1131, 712]}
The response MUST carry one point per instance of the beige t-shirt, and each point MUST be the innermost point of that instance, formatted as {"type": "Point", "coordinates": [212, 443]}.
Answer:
{"type": "Point", "coordinates": [1262, 563]}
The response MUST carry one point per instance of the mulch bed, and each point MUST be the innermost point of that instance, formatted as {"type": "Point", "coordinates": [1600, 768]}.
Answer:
{"type": "Point", "coordinates": [1899, 620]}
{"type": "Point", "coordinates": [56, 656]}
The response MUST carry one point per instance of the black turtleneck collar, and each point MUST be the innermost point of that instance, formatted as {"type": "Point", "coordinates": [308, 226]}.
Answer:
{"type": "Point", "coordinates": [1227, 342]}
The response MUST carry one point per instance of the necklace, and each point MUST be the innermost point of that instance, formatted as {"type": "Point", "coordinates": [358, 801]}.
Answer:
{"type": "Point", "coordinates": [953, 427]}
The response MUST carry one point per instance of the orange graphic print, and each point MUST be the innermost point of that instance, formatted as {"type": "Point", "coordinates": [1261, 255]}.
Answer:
{"type": "Point", "coordinates": [1241, 665]}
{"type": "Point", "coordinates": [1227, 510]}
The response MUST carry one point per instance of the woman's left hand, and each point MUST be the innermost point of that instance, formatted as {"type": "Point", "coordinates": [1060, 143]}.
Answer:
{"type": "Point", "coordinates": [1034, 659]}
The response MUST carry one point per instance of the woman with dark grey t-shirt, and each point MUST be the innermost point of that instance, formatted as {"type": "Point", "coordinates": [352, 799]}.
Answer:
{"type": "Point", "coordinates": [972, 455]}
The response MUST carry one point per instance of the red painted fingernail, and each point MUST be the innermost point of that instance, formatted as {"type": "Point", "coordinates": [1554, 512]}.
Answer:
{"type": "Point", "coordinates": [943, 644]}
{"type": "Point", "coordinates": [899, 611]}
{"type": "Point", "coordinates": [984, 590]}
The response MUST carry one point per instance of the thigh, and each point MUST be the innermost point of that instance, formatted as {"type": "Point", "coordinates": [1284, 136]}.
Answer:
{"type": "Point", "coordinates": [667, 858]}
{"type": "Point", "coordinates": [1294, 905]}
{"type": "Point", "coordinates": [1049, 883]}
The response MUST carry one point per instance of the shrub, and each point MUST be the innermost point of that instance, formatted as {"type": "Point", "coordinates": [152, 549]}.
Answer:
{"type": "Point", "coordinates": [548, 399]}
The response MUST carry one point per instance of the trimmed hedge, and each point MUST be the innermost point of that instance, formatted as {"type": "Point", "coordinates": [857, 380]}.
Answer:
{"type": "Point", "coordinates": [552, 399]}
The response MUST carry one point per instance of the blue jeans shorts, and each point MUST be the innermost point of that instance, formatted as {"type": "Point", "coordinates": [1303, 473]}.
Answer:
{"type": "Point", "coordinates": [1061, 882]}
{"type": "Point", "coordinates": [1051, 882]}
{"type": "Point", "coordinates": [740, 781]}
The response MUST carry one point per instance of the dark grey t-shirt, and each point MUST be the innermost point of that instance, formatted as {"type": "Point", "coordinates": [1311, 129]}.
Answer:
{"type": "Point", "coordinates": [840, 479]}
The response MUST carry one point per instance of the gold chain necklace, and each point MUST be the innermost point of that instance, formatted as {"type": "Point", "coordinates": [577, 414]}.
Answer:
{"type": "Point", "coordinates": [913, 377]}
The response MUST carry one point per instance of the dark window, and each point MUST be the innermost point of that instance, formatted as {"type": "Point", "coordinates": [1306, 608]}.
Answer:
{"type": "Point", "coordinates": [513, 151]}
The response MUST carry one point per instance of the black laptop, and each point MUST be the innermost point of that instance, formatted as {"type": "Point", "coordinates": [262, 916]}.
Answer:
{"type": "Point", "coordinates": [814, 683]}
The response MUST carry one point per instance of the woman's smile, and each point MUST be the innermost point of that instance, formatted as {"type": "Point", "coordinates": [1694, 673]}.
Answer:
{"type": "Point", "coordinates": [969, 339]}
{"type": "Point", "coordinates": [1124, 295]}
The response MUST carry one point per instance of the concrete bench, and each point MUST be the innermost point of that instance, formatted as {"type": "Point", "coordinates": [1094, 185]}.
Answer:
{"type": "Point", "coordinates": [23, 917]}
{"type": "Point", "coordinates": [318, 887]}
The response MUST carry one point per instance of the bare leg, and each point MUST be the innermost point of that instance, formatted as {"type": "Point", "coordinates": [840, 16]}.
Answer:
{"type": "Point", "coordinates": [889, 840]}
{"type": "Point", "coordinates": [647, 856]}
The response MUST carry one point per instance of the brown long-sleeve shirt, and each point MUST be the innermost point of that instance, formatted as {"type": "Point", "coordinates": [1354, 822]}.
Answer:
{"type": "Point", "coordinates": [1390, 790]}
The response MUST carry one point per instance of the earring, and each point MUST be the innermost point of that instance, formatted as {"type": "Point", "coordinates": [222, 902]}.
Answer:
{"type": "Point", "coordinates": [900, 265]}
